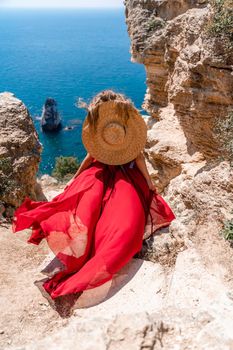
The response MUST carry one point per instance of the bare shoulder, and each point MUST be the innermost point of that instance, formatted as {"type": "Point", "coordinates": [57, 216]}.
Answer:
{"type": "Point", "coordinates": [89, 156]}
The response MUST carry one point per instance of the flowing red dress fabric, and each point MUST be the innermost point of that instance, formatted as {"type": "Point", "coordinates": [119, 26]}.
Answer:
{"type": "Point", "coordinates": [95, 226]}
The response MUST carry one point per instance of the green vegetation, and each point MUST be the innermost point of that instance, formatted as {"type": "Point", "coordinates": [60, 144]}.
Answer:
{"type": "Point", "coordinates": [155, 23]}
{"type": "Point", "coordinates": [227, 231]}
{"type": "Point", "coordinates": [223, 129]}
{"type": "Point", "coordinates": [221, 24]}
{"type": "Point", "coordinates": [65, 167]}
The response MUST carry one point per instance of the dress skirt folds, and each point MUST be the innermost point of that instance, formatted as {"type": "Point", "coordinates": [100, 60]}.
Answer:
{"type": "Point", "coordinates": [95, 226]}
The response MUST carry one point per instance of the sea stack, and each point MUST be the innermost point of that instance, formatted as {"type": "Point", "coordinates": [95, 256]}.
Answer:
{"type": "Point", "coordinates": [51, 120]}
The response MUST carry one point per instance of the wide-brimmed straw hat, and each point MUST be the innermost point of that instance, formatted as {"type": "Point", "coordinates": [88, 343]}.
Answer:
{"type": "Point", "coordinates": [115, 140]}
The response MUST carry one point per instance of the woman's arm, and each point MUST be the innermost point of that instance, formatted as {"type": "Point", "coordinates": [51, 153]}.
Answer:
{"type": "Point", "coordinates": [140, 161]}
{"type": "Point", "coordinates": [84, 164]}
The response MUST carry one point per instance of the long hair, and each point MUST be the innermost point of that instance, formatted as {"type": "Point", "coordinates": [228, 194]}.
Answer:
{"type": "Point", "coordinates": [123, 105]}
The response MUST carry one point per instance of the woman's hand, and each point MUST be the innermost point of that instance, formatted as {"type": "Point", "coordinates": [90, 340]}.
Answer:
{"type": "Point", "coordinates": [141, 164]}
{"type": "Point", "coordinates": [151, 185]}
{"type": "Point", "coordinates": [69, 182]}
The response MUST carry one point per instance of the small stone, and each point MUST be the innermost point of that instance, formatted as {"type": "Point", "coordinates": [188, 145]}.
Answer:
{"type": "Point", "coordinates": [230, 295]}
{"type": "Point", "coordinates": [47, 180]}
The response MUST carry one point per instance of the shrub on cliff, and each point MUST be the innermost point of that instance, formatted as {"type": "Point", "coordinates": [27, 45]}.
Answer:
{"type": "Point", "coordinates": [222, 20]}
{"type": "Point", "coordinates": [155, 23]}
{"type": "Point", "coordinates": [65, 167]}
{"type": "Point", "coordinates": [227, 231]}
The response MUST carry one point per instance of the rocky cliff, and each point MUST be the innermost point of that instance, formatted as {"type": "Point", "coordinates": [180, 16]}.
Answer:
{"type": "Point", "coordinates": [189, 79]}
{"type": "Point", "coordinates": [189, 148]}
{"type": "Point", "coordinates": [190, 84]}
{"type": "Point", "coordinates": [20, 151]}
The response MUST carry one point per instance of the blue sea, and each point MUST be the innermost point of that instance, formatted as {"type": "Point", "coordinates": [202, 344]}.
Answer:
{"type": "Point", "coordinates": [66, 54]}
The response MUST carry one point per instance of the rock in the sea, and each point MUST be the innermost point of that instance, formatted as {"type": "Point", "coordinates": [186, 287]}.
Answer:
{"type": "Point", "coordinates": [51, 120]}
{"type": "Point", "coordinates": [20, 152]}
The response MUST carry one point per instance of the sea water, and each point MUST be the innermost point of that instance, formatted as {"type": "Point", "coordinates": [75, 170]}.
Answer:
{"type": "Point", "coordinates": [66, 54]}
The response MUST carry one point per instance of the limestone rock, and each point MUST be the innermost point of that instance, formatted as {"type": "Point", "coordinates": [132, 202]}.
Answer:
{"type": "Point", "coordinates": [190, 84]}
{"type": "Point", "coordinates": [50, 187]}
{"type": "Point", "coordinates": [20, 151]}
{"type": "Point", "coordinates": [185, 68]}
{"type": "Point", "coordinates": [47, 180]}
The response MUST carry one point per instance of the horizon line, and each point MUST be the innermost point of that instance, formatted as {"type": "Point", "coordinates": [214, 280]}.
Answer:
{"type": "Point", "coordinates": [61, 7]}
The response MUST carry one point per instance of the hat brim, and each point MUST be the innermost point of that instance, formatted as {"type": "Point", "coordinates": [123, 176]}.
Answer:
{"type": "Point", "coordinates": [135, 139]}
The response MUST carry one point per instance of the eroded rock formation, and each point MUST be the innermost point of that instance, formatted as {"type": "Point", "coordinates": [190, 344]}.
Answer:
{"type": "Point", "coordinates": [51, 120]}
{"type": "Point", "coordinates": [190, 84]}
{"type": "Point", "coordinates": [190, 91]}
{"type": "Point", "coordinates": [20, 151]}
{"type": "Point", "coordinates": [186, 69]}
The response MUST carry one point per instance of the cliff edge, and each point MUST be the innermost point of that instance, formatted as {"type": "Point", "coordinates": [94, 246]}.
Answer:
{"type": "Point", "coordinates": [189, 98]}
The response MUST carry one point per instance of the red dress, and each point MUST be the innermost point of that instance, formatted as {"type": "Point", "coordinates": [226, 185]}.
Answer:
{"type": "Point", "coordinates": [95, 226]}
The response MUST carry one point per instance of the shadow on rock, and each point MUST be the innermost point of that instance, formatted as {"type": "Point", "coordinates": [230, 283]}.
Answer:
{"type": "Point", "coordinates": [65, 305]}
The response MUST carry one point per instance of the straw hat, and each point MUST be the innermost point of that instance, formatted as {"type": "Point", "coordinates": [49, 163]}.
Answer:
{"type": "Point", "coordinates": [115, 140]}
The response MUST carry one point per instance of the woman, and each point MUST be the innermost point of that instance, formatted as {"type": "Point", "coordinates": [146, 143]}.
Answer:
{"type": "Point", "coordinates": [96, 225]}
